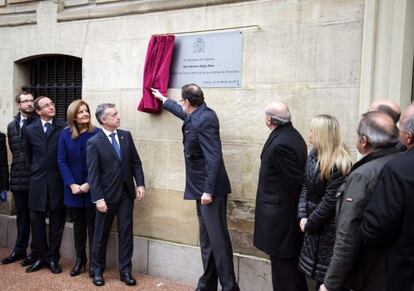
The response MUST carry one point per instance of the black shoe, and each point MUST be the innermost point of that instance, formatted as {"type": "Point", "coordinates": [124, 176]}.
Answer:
{"type": "Point", "coordinates": [91, 274]}
{"type": "Point", "coordinates": [36, 266]}
{"type": "Point", "coordinates": [128, 279]}
{"type": "Point", "coordinates": [55, 268]}
{"type": "Point", "coordinates": [77, 269]}
{"type": "Point", "coordinates": [29, 260]}
{"type": "Point", "coordinates": [98, 280]}
{"type": "Point", "coordinates": [13, 258]}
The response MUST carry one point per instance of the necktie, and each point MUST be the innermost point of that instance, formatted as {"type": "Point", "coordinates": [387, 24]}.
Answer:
{"type": "Point", "coordinates": [115, 144]}
{"type": "Point", "coordinates": [23, 122]}
{"type": "Point", "coordinates": [48, 130]}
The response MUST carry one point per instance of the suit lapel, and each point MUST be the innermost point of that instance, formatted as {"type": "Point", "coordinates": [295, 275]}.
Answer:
{"type": "Point", "coordinates": [39, 130]}
{"type": "Point", "coordinates": [107, 144]}
{"type": "Point", "coordinates": [123, 144]}
{"type": "Point", "coordinates": [269, 140]}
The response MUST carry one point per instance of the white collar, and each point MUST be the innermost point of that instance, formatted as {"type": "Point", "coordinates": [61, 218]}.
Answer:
{"type": "Point", "coordinates": [44, 122]}
{"type": "Point", "coordinates": [107, 132]}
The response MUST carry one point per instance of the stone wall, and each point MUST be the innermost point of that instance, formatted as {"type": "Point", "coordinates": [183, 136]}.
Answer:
{"type": "Point", "coordinates": [306, 53]}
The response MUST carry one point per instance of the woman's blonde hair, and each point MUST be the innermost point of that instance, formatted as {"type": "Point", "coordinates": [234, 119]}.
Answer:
{"type": "Point", "coordinates": [328, 142]}
{"type": "Point", "coordinates": [71, 116]}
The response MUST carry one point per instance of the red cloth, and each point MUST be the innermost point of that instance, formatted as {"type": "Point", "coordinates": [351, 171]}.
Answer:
{"type": "Point", "coordinates": [156, 71]}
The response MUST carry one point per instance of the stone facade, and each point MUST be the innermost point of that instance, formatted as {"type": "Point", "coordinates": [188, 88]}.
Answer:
{"type": "Point", "coordinates": [306, 53]}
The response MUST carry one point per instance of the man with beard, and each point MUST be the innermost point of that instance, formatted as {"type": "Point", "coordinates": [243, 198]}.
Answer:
{"type": "Point", "coordinates": [19, 179]}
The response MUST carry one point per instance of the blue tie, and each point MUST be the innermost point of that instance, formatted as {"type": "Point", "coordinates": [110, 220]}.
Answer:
{"type": "Point", "coordinates": [48, 131]}
{"type": "Point", "coordinates": [115, 144]}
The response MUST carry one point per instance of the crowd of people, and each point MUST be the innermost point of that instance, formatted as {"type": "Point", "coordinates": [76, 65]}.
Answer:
{"type": "Point", "coordinates": [347, 226]}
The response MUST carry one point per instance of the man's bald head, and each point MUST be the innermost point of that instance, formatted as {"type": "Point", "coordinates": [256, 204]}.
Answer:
{"type": "Point", "coordinates": [407, 115]}
{"type": "Point", "coordinates": [278, 112]}
{"type": "Point", "coordinates": [389, 107]}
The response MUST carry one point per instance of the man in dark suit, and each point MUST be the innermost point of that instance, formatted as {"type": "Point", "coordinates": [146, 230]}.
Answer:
{"type": "Point", "coordinates": [282, 167]}
{"type": "Point", "coordinates": [46, 187]}
{"type": "Point", "coordinates": [207, 183]}
{"type": "Point", "coordinates": [113, 163]}
{"type": "Point", "coordinates": [389, 217]}
{"type": "Point", "coordinates": [19, 179]}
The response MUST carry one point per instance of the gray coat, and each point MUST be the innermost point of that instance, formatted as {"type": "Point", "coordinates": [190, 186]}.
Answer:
{"type": "Point", "coordinates": [351, 263]}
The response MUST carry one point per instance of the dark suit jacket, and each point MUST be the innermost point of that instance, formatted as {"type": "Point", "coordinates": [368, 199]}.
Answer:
{"type": "Point", "coordinates": [283, 161]}
{"type": "Point", "coordinates": [107, 174]}
{"type": "Point", "coordinates": [205, 171]}
{"type": "Point", "coordinates": [388, 221]}
{"type": "Point", "coordinates": [44, 171]}
{"type": "Point", "coordinates": [4, 166]}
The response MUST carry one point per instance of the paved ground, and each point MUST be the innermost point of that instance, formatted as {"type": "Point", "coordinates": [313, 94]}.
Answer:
{"type": "Point", "coordinates": [14, 278]}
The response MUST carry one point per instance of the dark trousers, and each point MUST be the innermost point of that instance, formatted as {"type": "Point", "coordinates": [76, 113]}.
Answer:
{"type": "Point", "coordinates": [21, 200]}
{"type": "Point", "coordinates": [48, 252]}
{"type": "Point", "coordinates": [123, 210]}
{"type": "Point", "coordinates": [216, 249]}
{"type": "Point", "coordinates": [83, 228]}
{"type": "Point", "coordinates": [286, 275]}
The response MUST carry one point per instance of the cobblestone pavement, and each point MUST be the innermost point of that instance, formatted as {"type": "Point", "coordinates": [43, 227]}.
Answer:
{"type": "Point", "coordinates": [13, 277]}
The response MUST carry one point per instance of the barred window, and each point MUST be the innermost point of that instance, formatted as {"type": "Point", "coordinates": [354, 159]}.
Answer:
{"type": "Point", "coordinates": [58, 77]}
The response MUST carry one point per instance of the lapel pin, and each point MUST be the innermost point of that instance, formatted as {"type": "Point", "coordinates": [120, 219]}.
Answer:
{"type": "Point", "coordinates": [349, 199]}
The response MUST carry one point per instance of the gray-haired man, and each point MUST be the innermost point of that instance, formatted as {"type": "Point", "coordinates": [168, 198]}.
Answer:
{"type": "Point", "coordinates": [352, 264]}
{"type": "Point", "coordinates": [113, 164]}
{"type": "Point", "coordinates": [276, 229]}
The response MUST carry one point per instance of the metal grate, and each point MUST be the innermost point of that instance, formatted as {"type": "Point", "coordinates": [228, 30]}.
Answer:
{"type": "Point", "coordinates": [58, 77]}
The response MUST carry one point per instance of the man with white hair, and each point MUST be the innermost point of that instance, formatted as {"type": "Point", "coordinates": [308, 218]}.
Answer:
{"type": "Point", "coordinates": [352, 263]}
{"type": "Point", "coordinates": [281, 176]}
{"type": "Point", "coordinates": [389, 217]}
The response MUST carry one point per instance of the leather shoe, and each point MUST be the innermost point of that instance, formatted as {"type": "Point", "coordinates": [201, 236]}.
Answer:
{"type": "Point", "coordinates": [128, 279]}
{"type": "Point", "coordinates": [55, 268]}
{"type": "Point", "coordinates": [98, 280]}
{"type": "Point", "coordinates": [77, 269]}
{"type": "Point", "coordinates": [29, 260]}
{"type": "Point", "coordinates": [13, 258]}
{"type": "Point", "coordinates": [36, 266]}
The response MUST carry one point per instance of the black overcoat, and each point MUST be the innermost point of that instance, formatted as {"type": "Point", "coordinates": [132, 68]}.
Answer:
{"type": "Point", "coordinates": [4, 166]}
{"type": "Point", "coordinates": [45, 178]}
{"type": "Point", "coordinates": [317, 203]}
{"type": "Point", "coordinates": [282, 167]}
{"type": "Point", "coordinates": [388, 221]}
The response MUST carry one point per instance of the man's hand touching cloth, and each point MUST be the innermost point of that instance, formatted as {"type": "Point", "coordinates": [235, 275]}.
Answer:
{"type": "Point", "coordinates": [157, 94]}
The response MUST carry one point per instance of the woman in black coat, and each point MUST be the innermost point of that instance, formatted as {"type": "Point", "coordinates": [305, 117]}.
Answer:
{"type": "Point", "coordinates": [328, 164]}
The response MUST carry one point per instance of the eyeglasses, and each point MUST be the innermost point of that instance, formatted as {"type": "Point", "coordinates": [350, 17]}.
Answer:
{"type": "Point", "coordinates": [26, 101]}
{"type": "Point", "coordinates": [47, 105]}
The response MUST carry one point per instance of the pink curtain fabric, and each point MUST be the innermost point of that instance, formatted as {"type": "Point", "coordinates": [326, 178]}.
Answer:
{"type": "Point", "coordinates": [156, 71]}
